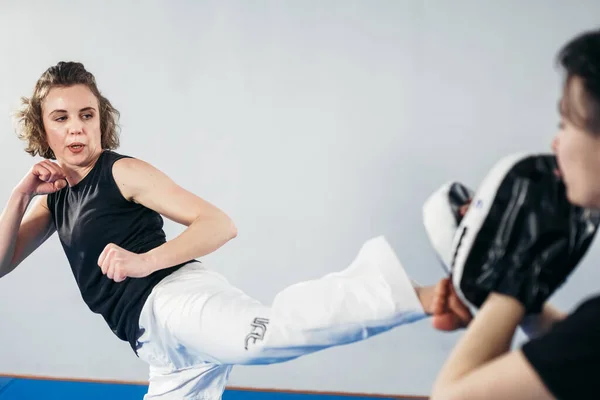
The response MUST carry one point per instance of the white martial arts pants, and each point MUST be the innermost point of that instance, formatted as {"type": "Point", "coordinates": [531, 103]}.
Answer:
{"type": "Point", "coordinates": [196, 325]}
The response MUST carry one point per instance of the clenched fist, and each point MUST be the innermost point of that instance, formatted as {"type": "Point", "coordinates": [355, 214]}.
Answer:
{"type": "Point", "coordinates": [117, 263]}
{"type": "Point", "coordinates": [449, 313]}
{"type": "Point", "coordinates": [43, 178]}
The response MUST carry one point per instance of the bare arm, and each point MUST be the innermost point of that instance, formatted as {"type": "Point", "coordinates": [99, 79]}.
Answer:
{"type": "Point", "coordinates": [481, 365]}
{"type": "Point", "coordinates": [208, 228]}
{"type": "Point", "coordinates": [22, 231]}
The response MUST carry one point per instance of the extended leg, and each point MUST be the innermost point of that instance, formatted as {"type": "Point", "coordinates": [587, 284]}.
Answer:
{"type": "Point", "coordinates": [222, 325]}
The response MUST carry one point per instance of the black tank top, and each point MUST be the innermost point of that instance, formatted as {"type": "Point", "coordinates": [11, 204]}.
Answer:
{"type": "Point", "coordinates": [92, 214]}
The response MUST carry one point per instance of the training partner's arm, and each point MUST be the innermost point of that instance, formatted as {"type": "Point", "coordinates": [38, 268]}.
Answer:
{"type": "Point", "coordinates": [481, 365]}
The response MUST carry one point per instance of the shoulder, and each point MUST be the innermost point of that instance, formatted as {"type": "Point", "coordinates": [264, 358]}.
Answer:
{"type": "Point", "coordinates": [133, 174]}
{"type": "Point", "coordinates": [110, 157]}
{"type": "Point", "coordinates": [126, 167]}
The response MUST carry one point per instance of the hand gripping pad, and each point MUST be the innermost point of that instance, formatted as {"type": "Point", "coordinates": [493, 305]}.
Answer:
{"type": "Point", "coordinates": [441, 216]}
{"type": "Point", "coordinates": [521, 236]}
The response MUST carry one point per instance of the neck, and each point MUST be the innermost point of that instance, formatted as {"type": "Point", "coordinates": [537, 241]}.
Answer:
{"type": "Point", "coordinates": [75, 173]}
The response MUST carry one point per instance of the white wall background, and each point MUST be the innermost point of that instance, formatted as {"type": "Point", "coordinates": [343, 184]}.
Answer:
{"type": "Point", "coordinates": [315, 124]}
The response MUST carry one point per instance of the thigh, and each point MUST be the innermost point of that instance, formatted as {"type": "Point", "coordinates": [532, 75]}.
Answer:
{"type": "Point", "coordinates": [196, 316]}
{"type": "Point", "coordinates": [228, 328]}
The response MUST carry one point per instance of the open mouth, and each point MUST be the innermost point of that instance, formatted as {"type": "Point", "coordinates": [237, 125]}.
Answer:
{"type": "Point", "coordinates": [76, 148]}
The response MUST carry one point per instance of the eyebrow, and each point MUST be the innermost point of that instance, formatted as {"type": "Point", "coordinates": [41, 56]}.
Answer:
{"type": "Point", "coordinates": [82, 110]}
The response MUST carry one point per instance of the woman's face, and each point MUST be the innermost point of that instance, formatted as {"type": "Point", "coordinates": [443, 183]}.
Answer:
{"type": "Point", "coordinates": [72, 124]}
{"type": "Point", "coordinates": [577, 151]}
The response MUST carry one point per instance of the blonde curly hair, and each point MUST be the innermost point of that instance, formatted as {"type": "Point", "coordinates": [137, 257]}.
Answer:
{"type": "Point", "coordinates": [30, 124]}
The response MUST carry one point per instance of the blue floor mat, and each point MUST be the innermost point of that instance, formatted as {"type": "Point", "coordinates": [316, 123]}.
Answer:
{"type": "Point", "coordinates": [26, 389]}
{"type": "Point", "coordinates": [32, 389]}
{"type": "Point", "coordinates": [4, 383]}
{"type": "Point", "coordinates": [247, 395]}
